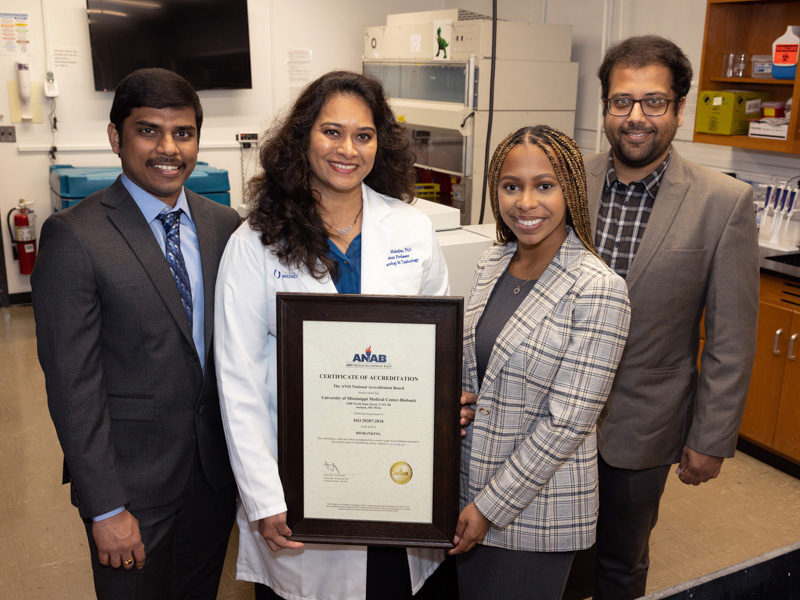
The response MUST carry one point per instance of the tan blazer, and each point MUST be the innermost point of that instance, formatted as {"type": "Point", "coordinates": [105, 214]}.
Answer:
{"type": "Point", "coordinates": [699, 251]}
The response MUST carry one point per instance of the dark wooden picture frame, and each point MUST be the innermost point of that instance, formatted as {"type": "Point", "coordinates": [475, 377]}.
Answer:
{"type": "Point", "coordinates": [446, 313]}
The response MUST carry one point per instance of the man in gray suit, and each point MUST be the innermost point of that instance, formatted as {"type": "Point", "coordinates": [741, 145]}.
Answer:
{"type": "Point", "coordinates": [684, 237]}
{"type": "Point", "coordinates": [123, 294]}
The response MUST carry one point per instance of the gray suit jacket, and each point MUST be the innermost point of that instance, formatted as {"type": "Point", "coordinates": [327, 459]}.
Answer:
{"type": "Point", "coordinates": [699, 252]}
{"type": "Point", "coordinates": [529, 459]}
{"type": "Point", "coordinates": [126, 392]}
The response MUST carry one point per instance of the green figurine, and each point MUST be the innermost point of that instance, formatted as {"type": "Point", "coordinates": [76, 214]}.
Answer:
{"type": "Point", "coordinates": [442, 43]}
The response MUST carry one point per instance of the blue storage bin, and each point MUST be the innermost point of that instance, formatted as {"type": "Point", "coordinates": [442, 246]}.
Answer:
{"type": "Point", "coordinates": [69, 185]}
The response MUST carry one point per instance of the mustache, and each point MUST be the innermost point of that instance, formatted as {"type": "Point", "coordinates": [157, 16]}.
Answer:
{"type": "Point", "coordinates": [637, 129]}
{"type": "Point", "coordinates": [164, 161]}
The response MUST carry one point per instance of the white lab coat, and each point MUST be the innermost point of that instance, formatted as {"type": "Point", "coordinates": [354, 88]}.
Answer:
{"type": "Point", "coordinates": [245, 350]}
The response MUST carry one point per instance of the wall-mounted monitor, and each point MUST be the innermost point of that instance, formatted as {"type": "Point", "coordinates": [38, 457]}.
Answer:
{"type": "Point", "coordinates": [205, 41]}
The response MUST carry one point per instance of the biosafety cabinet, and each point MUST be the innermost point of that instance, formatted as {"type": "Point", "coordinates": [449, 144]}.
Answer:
{"type": "Point", "coordinates": [436, 66]}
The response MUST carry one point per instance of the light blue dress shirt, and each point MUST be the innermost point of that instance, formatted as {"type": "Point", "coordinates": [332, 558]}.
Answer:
{"type": "Point", "coordinates": [151, 207]}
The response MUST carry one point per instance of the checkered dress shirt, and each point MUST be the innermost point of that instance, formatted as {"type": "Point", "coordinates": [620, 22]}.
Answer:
{"type": "Point", "coordinates": [623, 215]}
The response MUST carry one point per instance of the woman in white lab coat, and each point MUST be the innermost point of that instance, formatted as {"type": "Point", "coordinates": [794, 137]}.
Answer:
{"type": "Point", "coordinates": [328, 212]}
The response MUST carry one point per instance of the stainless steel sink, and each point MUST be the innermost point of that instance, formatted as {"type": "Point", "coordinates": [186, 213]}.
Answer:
{"type": "Point", "coordinates": [787, 259]}
{"type": "Point", "coordinates": [784, 263]}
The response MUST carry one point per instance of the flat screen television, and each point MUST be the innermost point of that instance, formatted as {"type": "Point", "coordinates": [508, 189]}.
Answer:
{"type": "Point", "coordinates": [205, 41]}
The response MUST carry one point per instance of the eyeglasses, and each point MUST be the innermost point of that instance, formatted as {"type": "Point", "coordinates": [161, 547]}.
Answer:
{"type": "Point", "coordinates": [651, 107]}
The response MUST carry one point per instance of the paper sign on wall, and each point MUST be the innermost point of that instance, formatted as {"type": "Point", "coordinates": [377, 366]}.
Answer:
{"type": "Point", "coordinates": [15, 34]}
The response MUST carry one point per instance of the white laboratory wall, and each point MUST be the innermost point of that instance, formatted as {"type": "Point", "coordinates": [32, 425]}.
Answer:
{"type": "Point", "coordinates": [332, 32]}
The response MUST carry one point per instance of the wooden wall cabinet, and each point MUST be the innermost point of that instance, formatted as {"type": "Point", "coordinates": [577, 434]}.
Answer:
{"type": "Point", "coordinates": [772, 413]}
{"type": "Point", "coordinates": [749, 26]}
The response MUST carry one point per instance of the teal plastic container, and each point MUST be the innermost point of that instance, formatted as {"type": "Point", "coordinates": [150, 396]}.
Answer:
{"type": "Point", "coordinates": [69, 185]}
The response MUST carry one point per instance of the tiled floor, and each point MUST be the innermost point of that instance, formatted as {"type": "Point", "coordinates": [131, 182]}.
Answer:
{"type": "Point", "coordinates": [43, 548]}
{"type": "Point", "coordinates": [749, 510]}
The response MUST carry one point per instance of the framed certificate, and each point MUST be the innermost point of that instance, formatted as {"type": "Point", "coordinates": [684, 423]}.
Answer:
{"type": "Point", "coordinates": [368, 417]}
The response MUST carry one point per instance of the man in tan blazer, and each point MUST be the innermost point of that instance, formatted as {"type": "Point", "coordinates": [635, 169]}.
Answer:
{"type": "Point", "coordinates": [684, 238]}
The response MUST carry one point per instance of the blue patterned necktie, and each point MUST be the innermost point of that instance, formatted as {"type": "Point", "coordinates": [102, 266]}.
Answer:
{"type": "Point", "coordinates": [171, 222]}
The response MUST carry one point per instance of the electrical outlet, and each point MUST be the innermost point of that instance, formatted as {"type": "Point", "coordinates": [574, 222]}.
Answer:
{"type": "Point", "coordinates": [247, 140]}
{"type": "Point", "coordinates": [8, 133]}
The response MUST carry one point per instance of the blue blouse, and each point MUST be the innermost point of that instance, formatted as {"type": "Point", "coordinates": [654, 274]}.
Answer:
{"type": "Point", "coordinates": [349, 263]}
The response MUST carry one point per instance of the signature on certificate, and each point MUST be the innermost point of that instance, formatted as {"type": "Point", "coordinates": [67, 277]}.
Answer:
{"type": "Point", "coordinates": [331, 467]}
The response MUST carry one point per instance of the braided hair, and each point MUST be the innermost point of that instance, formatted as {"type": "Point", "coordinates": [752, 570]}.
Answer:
{"type": "Point", "coordinates": [563, 153]}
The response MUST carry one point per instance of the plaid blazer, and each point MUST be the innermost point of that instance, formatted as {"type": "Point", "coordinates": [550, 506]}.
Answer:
{"type": "Point", "coordinates": [529, 458]}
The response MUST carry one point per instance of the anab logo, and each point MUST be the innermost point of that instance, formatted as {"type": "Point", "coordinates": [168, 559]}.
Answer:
{"type": "Point", "coordinates": [368, 356]}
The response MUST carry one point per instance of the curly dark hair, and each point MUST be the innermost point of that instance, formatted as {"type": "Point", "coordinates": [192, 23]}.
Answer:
{"type": "Point", "coordinates": [643, 51]}
{"type": "Point", "coordinates": [284, 206]}
{"type": "Point", "coordinates": [565, 157]}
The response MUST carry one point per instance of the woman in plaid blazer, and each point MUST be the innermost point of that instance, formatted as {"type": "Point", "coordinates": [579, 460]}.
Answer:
{"type": "Point", "coordinates": [544, 331]}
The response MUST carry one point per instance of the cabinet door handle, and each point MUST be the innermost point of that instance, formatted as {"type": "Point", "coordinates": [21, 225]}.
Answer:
{"type": "Point", "coordinates": [791, 347]}
{"type": "Point", "coordinates": [775, 350]}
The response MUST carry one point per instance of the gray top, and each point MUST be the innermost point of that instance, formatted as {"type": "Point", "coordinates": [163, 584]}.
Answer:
{"type": "Point", "coordinates": [502, 304]}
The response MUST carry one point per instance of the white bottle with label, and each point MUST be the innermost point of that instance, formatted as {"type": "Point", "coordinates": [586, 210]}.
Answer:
{"type": "Point", "coordinates": [784, 53]}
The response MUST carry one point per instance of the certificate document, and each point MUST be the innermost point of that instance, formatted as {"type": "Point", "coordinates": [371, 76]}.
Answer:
{"type": "Point", "coordinates": [368, 411]}
{"type": "Point", "coordinates": [368, 430]}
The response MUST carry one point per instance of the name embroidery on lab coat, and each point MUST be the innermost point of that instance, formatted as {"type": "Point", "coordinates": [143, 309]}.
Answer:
{"type": "Point", "coordinates": [400, 256]}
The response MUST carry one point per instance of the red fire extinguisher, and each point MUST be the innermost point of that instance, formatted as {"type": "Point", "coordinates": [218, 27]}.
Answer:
{"type": "Point", "coordinates": [23, 236]}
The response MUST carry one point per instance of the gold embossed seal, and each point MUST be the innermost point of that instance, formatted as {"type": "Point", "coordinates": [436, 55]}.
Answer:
{"type": "Point", "coordinates": [400, 472]}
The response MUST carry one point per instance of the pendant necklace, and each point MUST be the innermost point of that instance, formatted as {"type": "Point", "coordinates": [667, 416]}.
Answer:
{"type": "Point", "coordinates": [343, 231]}
{"type": "Point", "coordinates": [519, 285]}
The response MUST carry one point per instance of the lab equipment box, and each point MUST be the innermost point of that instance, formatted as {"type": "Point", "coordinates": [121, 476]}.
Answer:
{"type": "Point", "coordinates": [443, 69]}
{"type": "Point", "coordinates": [727, 112]}
{"type": "Point", "coordinates": [771, 129]}
{"type": "Point", "coordinates": [69, 185]}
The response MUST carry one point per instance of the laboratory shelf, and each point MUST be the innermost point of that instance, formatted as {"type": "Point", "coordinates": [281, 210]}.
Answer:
{"type": "Point", "coordinates": [749, 26]}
